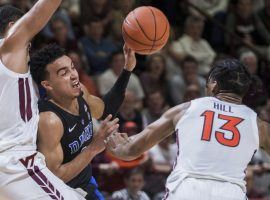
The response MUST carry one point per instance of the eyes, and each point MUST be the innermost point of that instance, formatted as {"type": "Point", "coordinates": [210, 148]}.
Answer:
{"type": "Point", "coordinates": [66, 71]}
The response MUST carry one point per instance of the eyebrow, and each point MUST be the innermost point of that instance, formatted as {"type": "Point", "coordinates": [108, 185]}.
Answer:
{"type": "Point", "coordinates": [63, 68]}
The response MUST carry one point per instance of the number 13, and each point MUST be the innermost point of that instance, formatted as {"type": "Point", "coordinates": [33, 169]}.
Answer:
{"type": "Point", "coordinates": [230, 125]}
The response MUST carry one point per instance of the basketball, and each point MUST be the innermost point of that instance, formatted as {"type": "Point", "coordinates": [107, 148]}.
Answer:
{"type": "Point", "coordinates": [146, 30]}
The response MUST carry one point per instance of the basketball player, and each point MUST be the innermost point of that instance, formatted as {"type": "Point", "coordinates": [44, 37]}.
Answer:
{"type": "Point", "coordinates": [216, 136]}
{"type": "Point", "coordinates": [65, 134]}
{"type": "Point", "coordinates": [23, 173]}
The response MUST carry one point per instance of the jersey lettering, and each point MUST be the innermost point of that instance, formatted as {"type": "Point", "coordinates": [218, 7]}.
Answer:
{"type": "Point", "coordinates": [230, 125]}
{"type": "Point", "coordinates": [84, 137]}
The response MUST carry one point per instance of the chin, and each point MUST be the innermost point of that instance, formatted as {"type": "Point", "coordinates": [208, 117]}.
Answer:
{"type": "Point", "coordinates": [77, 94]}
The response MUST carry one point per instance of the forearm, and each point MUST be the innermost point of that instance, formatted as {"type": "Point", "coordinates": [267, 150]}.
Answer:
{"type": "Point", "coordinates": [114, 98]}
{"type": "Point", "coordinates": [142, 142]}
{"type": "Point", "coordinates": [34, 20]}
{"type": "Point", "coordinates": [70, 170]}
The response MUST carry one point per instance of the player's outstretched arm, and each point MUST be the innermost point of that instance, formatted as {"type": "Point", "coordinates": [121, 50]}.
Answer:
{"type": "Point", "coordinates": [111, 101]}
{"type": "Point", "coordinates": [127, 148]}
{"type": "Point", "coordinates": [31, 23]}
{"type": "Point", "coordinates": [50, 133]}
{"type": "Point", "coordinates": [264, 134]}
{"type": "Point", "coordinates": [14, 47]}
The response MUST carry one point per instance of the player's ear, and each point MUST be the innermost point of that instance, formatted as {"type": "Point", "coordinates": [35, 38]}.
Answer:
{"type": "Point", "coordinates": [46, 85]}
{"type": "Point", "coordinates": [10, 24]}
{"type": "Point", "coordinates": [215, 87]}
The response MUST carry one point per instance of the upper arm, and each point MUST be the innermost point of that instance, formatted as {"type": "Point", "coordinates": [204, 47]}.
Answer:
{"type": "Point", "coordinates": [96, 104]}
{"type": "Point", "coordinates": [31, 23]}
{"type": "Point", "coordinates": [16, 41]}
{"type": "Point", "coordinates": [50, 132]}
{"type": "Point", "coordinates": [264, 135]}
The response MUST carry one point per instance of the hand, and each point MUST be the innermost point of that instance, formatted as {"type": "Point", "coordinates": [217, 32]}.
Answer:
{"type": "Point", "coordinates": [106, 128]}
{"type": "Point", "coordinates": [130, 58]}
{"type": "Point", "coordinates": [116, 140]}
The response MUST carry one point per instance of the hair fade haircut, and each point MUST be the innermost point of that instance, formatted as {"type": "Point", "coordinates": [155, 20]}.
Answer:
{"type": "Point", "coordinates": [8, 14]}
{"type": "Point", "coordinates": [43, 57]}
{"type": "Point", "coordinates": [231, 76]}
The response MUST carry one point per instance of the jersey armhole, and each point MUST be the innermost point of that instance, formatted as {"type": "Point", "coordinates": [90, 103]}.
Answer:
{"type": "Point", "coordinates": [256, 130]}
{"type": "Point", "coordinates": [11, 73]}
{"type": "Point", "coordinates": [188, 110]}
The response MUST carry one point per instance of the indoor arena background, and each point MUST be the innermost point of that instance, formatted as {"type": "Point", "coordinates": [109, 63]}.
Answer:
{"type": "Point", "coordinates": [90, 31]}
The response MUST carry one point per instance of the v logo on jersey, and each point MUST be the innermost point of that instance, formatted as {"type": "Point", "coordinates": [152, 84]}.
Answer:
{"type": "Point", "coordinates": [71, 129]}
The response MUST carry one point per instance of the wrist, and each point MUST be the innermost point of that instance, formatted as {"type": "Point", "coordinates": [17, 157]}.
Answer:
{"type": "Point", "coordinates": [127, 68]}
{"type": "Point", "coordinates": [92, 149]}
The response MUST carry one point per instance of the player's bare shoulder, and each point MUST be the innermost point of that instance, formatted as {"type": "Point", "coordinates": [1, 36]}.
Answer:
{"type": "Point", "coordinates": [49, 123]}
{"type": "Point", "coordinates": [179, 111]}
{"type": "Point", "coordinates": [264, 134]}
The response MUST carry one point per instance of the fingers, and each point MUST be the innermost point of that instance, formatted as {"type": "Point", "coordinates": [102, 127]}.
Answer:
{"type": "Point", "coordinates": [108, 118]}
{"type": "Point", "coordinates": [124, 135]}
{"type": "Point", "coordinates": [116, 139]}
{"type": "Point", "coordinates": [128, 50]}
{"type": "Point", "coordinates": [112, 130]}
{"type": "Point", "coordinates": [125, 48]}
{"type": "Point", "coordinates": [107, 124]}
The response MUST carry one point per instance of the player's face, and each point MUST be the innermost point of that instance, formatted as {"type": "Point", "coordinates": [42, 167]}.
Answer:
{"type": "Point", "coordinates": [63, 78]}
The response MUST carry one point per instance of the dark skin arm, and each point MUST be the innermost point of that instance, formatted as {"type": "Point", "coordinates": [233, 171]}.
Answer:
{"type": "Point", "coordinates": [264, 134]}
{"type": "Point", "coordinates": [130, 148]}
{"type": "Point", "coordinates": [50, 132]}
{"type": "Point", "coordinates": [16, 40]}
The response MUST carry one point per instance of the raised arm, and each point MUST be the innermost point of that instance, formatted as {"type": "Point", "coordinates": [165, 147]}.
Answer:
{"type": "Point", "coordinates": [16, 40]}
{"type": "Point", "coordinates": [131, 148]}
{"type": "Point", "coordinates": [264, 134]}
{"type": "Point", "coordinates": [31, 23]}
{"type": "Point", "coordinates": [50, 133]}
{"type": "Point", "coordinates": [111, 101]}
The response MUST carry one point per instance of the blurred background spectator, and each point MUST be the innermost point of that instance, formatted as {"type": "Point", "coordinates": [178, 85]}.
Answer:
{"type": "Point", "coordinates": [90, 31]}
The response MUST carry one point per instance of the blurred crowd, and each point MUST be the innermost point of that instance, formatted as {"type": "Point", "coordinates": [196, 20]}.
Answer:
{"type": "Point", "coordinates": [90, 31]}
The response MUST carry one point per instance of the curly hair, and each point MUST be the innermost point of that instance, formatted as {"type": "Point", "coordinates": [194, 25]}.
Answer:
{"type": "Point", "coordinates": [41, 58]}
{"type": "Point", "coordinates": [231, 76]}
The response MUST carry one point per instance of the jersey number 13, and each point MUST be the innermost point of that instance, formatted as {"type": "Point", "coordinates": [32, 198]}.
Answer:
{"type": "Point", "coordinates": [230, 124]}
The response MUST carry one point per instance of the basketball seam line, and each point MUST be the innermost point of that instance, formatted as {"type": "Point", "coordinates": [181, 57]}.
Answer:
{"type": "Point", "coordinates": [135, 17]}
{"type": "Point", "coordinates": [155, 29]}
{"type": "Point", "coordinates": [163, 33]}
{"type": "Point", "coordinates": [137, 40]}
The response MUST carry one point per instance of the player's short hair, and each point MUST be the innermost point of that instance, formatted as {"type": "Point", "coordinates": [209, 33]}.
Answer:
{"type": "Point", "coordinates": [8, 14]}
{"type": "Point", "coordinates": [231, 76]}
{"type": "Point", "coordinates": [41, 58]}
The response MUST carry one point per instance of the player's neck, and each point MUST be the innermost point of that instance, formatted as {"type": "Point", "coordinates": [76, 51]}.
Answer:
{"type": "Point", "coordinates": [69, 105]}
{"type": "Point", "coordinates": [229, 97]}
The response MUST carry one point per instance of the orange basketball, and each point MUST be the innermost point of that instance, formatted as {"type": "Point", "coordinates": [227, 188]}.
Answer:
{"type": "Point", "coordinates": [146, 30]}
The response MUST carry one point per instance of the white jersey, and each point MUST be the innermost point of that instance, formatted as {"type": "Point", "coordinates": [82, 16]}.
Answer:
{"type": "Point", "coordinates": [18, 109]}
{"type": "Point", "coordinates": [216, 140]}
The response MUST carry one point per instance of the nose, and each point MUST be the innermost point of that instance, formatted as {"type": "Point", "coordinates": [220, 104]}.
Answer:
{"type": "Point", "coordinates": [74, 74]}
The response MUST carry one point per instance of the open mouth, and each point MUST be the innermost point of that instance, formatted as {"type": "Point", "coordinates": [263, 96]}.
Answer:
{"type": "Point", "coordinates": [76, 84]}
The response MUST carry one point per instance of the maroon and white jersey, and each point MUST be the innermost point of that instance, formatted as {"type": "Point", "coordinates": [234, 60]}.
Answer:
{"type": "Point", "coordinates": [18, 110]}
